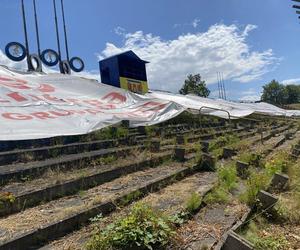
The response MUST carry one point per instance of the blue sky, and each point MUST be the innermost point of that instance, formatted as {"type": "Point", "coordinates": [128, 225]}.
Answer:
{"type": "Point", "coordinates": [251, 42]}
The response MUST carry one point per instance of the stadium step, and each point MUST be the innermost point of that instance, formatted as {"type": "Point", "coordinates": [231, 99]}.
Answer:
{"type": "Point", "coordinates": [57, 218]}
{"type": "Point", "coordinates": [57, 184]}
{"type": "Point", "coordinates": [171, 200]}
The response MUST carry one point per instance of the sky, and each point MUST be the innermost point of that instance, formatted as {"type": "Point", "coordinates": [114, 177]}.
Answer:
{"type": "Point", "coordinates": [249, 42]}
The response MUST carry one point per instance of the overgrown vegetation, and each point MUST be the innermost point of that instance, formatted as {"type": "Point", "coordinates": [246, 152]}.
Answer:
{"type": "Point", "coordinates": [193, 203]}
{"type": "Point", "coordinates": [262, 237]}
{"type": "Point", "coordinates": [142, 228]}
{"type": "Point", "coordinates": [252, 159]}
{"type": "Point", "coordinates": [221, 141]}
{"type": "Point", "coordinates": [5, 198]}
{"type": "Point", "coordinates": [227, 182]}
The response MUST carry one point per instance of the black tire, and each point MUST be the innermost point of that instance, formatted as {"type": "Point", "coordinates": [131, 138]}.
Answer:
{"type": "Point", "coordinates": [64, 67]}
{"type": "Point", "coordinates": [72, 64]}
{"type": "Point", "coordinates": [12, 57]}
{"type": "Point", "coordinates": [35, 58]}
{"type": "Point", "coordinates": [44, 60]}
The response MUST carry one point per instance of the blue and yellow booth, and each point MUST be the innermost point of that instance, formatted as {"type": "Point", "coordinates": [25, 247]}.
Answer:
{"type": "Point", "coordinates": [126, 71]}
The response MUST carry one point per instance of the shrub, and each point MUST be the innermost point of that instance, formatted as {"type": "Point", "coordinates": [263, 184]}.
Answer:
{"type": "Point", "coordinates": [193, 203]}
{"type": "Point", "coordinates": [254, 160]}
{"type": "Point", "coordinates": [270, 242]}
{"type": "Point", "coordinates": [222, 141]}
{"type": "Point", "coordinates": [142, 228]}
{"type": "Point", "coordinates": [255, 182]}
{"type": "Point", "coordinates": [217, 195]}
{"type": "Point", "coordinates": [228, 177]}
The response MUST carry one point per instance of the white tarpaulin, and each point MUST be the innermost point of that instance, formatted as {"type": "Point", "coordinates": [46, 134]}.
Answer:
{"type": "Point", "coordinates": [40, 106]}
{"type": "Point", "coordinates": [218, 108]}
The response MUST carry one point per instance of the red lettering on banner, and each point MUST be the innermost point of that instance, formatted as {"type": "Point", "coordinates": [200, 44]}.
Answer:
{"type": "Point", "coordinates": [93, 111]}
{"type": "Point", "coordinates": [52, 98]}
{"type": "Point", "coordinates": [42, 115]}
{"type": "Point", "coordinates": [61, 113]}
{"type": "Point", "coordinates": [17, 97]}
{"type": "Point", "coordinates": [93, 102]}
{"type": "Point", "coordinates": [115, 98]}
{"type": "Point", "coordinates": [16, 116]}
{"type": "Point", "coordinates": [36, 98]}
{"type": "Point", "coordinates": [13, 83]}
{"type": "Point", "coordinates": [46, 88]}
{"type": "Point", "coordinates": [75, 101]}
{"type": "Point", "coordinates": [79, 112]}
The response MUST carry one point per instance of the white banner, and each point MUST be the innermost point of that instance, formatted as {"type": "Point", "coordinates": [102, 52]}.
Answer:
{"type": "Point", "coordinates": [36, 106]}
{"type": "Point", "coordinates": [41, 106]}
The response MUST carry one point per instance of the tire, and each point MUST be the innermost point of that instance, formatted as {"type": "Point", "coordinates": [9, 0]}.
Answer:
{"type": "Point", "coordinates": [38, 67]}
{"type": "Point", "coordinates": [44, 60]}
{"type": "Point", "coordinates": [64, 67]}
{"type": "Point", "coordinates": [12, 57]}
{"type": "Point", "coordinates": [72, 64]}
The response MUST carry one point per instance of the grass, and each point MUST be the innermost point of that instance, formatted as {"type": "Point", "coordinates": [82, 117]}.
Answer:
{"type": "Point", "coordinates": [261, 236]}
{"type": "Point", "coordinates": [266, 231]}
{"type": "Point", "coordinates": [142, 228]}
{"type": "Point", "coordinates": [227, 182]}
{"type": "Point", "coordinates": [221, 141]}
{"type": "Point", "coordinates": [193, 203]}
{"type": "Point", "coordinates": [252, 159]}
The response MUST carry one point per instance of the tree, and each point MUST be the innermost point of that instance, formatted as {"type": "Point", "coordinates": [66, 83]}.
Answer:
{"type": "Point", "coordinates": [274, 93]}
{"type": "Point", "coordinates": [293, 93]}
{"type": "Point", "coordinates": [194, 85]}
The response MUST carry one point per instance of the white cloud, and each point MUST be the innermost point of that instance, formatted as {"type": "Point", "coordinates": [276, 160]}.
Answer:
{"type": "Point", "coordinates": [195, 23]}
{"type": "Point", "coordinates": [221, 48]}
{"type": "Point", "coordinates": [248, 29]}
{"type": "Point", "coordinates": [295, 81]}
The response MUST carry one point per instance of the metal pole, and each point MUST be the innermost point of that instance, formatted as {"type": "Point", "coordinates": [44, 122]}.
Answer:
{"type": "Point", "coordinates": [220, 82]}
{"type": "Point", "coordinates": [37, 28]}
{"type": "Point", "coordinates": [219, 85]}
{"type": "Point", "coordinates": [65, 30]}
{"type": "Point", "coordinates": [26, 36]}
{"type": "Point", "coordinates": [57, 31]}
{"type": "Point", "coordinates": [224, 86]}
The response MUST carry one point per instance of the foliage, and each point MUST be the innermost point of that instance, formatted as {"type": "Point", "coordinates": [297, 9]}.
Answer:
{"type": "Point", "coordinates": [261, 239]}
{"type": "Point", "coordinates": [194, 85]}
{"type": "Point", "coordinates": [193, 203]}
{"type": "Point", "coordinates": [255, 182]}
{"type": "Point", "coordinates": [130, 197]}
{"type": "Point", "coordinates": [217, 195]}
{"type": "Point", "coordinates": [252, 159]}
{"type": "Point", "coordinates": [142, 228]}
{"type": "Point", "coordinates": [270, 242]}
{"type": "Point", "coordinates": [228, 177]}
{"type": "Point", "coordinates": [220, 142]}
{"type": "Point", "coordinates": [279, 94]}
{"type": "Point", "coordinates": [7, 197]}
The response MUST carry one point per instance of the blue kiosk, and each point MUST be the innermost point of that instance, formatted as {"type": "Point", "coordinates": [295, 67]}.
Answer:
{"type": "Point", "coordinates": [125, 70]}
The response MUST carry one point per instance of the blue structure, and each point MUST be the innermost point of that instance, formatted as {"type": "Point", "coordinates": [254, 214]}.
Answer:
{"type": "Point", "coordinates": [125, 70]}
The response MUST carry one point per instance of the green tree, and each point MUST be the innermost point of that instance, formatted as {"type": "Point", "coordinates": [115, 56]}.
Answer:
{"type": "Point", "coordinates": [293, 93]}
{"type": "Point", "coordinates": [274, 93]}
{"type": "Point", "coordinates": [194, 85]}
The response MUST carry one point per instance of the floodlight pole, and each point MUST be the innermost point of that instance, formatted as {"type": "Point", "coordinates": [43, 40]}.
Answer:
{"type": "Point", "coordinates": [65, 30]}
{"type": "Point", "coordinates": [37, 28]}
{"type": "Point", "coordinates": [26, 36]}
{"type": "Point", "coordinates": [57, 31]}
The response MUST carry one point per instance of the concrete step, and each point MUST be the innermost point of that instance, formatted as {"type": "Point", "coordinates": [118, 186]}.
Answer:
{"type": "Point", "coordinates": [25, 171]}
{"type": "Point", "coordinates": [37, 225]}
{"type": "Point", "coordinates": [170, 200]}
{"type": "Point", "coordinates": [58, 184]}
